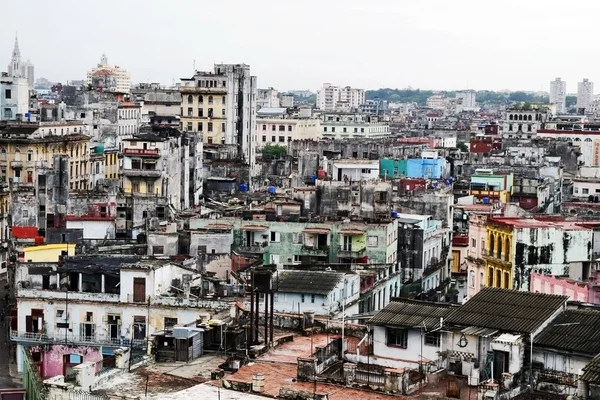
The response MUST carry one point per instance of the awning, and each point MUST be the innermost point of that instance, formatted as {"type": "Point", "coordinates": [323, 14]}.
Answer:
{"type": "Point", "coordinates": [478, 331]}
{"type": "Point", "coordinates": [317, 231]}
{"type": "Point", "coordinates": [254, 228]}
{"type": "Point", "coordinates": [352, 232]}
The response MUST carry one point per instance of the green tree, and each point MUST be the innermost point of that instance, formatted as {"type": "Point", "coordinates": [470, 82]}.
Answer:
{"type": "Point", "coordinates": [271, 151]}
{"type": "Point", "coordinates": [462, 147]}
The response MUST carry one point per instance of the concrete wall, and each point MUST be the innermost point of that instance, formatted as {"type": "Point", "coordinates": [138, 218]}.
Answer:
{"type": "Point", "coordinates": [94, 229]}
{"type": "Point", "coordinates": [400, 357]}
{"type": "Point", "coordinates": [217, 243]}
{"type": "Point", "coordinates": [576, 291]}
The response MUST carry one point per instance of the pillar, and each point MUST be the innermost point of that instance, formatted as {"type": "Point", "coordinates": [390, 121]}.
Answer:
{"type": "Point", "coordinates": [103, 284]}
{"type": "Point", "coordinates": [80, 285]}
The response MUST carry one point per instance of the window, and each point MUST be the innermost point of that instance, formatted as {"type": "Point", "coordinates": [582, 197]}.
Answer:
{"type": "Point", "coordinates": [362, 130]}
{"type": "Point", "coordinates": [210, 99]}
{"type": "Point", "coordinates": [432, 339]}
{"type": "Point", "coordinates": [224, 99]}
{"type": "Point", "coordinates": [190, 112]}
{"type": "Point", "coordinates": [264, 127]}
{"type": "Point", "coordinates": [289, 128]}
{"type": "Point", "coordinates": [472, 278]}
{"type": "Point", "coordinates": [190, 99]}
{"type": "Point", "coordinates": [264, 138]}
{"type": "Point", "coordinates": [275, 237]}
{"type": "Point", "coordinates": [8, 94]}
{"type": "Point", "coordinates": [190, 126]}
{"type": "Point", "coordinates": [223, 127]}
{"type": "Point", "coordinates": [170, 322]}
{"type": "Point", "coordinates": [333, 129]}
{"type": "Point", "coordinates": [273, 128]}
{"type": "Point", "coordinates": [302, 298]}
{"type": "Point", "coordinates": [223, 113]}
{"type": "Point", "coordinates": [210, 127]}
{"type": "Point", "coordinates": [200, 126]}
{"type": "Point", "coordinates": [585, 191]}
{"type": "Point", "coordinates": [324, 129]}
{"type": "Point", "coordinates": [139, 328]}
{"type": "Point", "coordinates": [397, 337]}
{"type": "Point", "coordinates": [200, 113]}
{"type": "Point", "coordinates": [209, 140]}
{"type": "Point", "coordinates": [281, 139]}
{"type": "Point", "coordinates": [200, 99]}
{"type": "Point", "coordinates": [372, 241]}
{"type": "Point", "coordinates": [158, 249]}
{"type": "Point", "coordinates": [473, 242]}
{"type": "Point", "coordinates": [312, 298]}
{"type": "Point", "coordinates": [344, 129]}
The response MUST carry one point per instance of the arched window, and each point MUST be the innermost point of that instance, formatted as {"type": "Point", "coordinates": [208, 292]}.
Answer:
{"type": "Point", "coordinates": [210, 99]}
{"type": "Point", "coordinates": [510, 117]}
{"type": "Point", "coordinates": [190, 99]}
{"type": "Point", "coordinates": [587, 140]}
{"type": "Point", "coordinates": [200, 99]}
{"type": "Point", "coordinates": [507, 250]}
{"type": "Point", "coordinates": [529, 118]}
{"type": "Point", "coordinates": [499, 248]}
{"type": "Point", "coordinates": [17, 155]}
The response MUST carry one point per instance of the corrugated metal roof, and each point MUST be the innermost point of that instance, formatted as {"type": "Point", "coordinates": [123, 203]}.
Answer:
{"type": "Point", "coordinates": [307, 282]}
{"type": "Point", "coordinates": [507, 310]}
{"type": "Point", "coordinates": [412, 313]}
{"type": "Point", "coordinates": [591, 372]}
{"type": "Point", "coordinates": [573, 330]}
{"type": "Point", "coordinates": [477, 331]}
{"type": "Point", "coordinates": [508, 338]}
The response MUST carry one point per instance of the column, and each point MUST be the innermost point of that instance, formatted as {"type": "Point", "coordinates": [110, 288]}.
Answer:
{"type": "Point", "coordinates": [80, 286]}
{"type": "Point", "coordinates": [102, 284]}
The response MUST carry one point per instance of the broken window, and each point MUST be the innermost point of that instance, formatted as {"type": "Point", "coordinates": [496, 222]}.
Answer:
{"type": "Point", "coordinates": [381, 196]}
{"type": "Point", "coordinates": [139, 328]}
{"type": "Point", "coordinates": [170, 322]}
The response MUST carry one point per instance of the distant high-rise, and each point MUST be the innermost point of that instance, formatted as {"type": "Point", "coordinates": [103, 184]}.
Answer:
{"type": "Point", "coordinates": [21, 69]}
{"type": "Point", "coordinates": [558, 95]}
{"type": "Point", "coordinates": [330, 97]}
{"type": "Point", "coordinates": [585, 93]}
{"type": "Point", "coordinates": [109, 77]}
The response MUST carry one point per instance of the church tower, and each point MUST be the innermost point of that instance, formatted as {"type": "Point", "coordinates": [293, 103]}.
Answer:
{"type": "Point", "coordinates": [14, 68]}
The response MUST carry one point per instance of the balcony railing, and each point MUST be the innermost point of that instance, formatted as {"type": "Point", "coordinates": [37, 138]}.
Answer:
{"type": "Point", "coordinates": [147, 173]}
{"type": "Point", "coordinates": [254, 248]}
{"type": "Point", "coordinates": [351, 253]}
{"type": "Point", "coordinates": [314, 251]}
{"type": "Point", "coordinates": [142, 152]}
{"type": "Point", "coordinates": [69, 338]}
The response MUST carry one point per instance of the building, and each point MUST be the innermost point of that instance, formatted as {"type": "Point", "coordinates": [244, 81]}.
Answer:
{"type": "Point", "coordinates": [152, 167]}
{"type": "Point", "coordinates": [332, 98]}
{"type": "Point", "coordinates": [86, 307]}
{"type": "Point", "coordinates": [406, 334]}
{"type": "Point", "coordinates": [558, 95]}
{"type": "Point", "coordinates": [524, 123]}
{"type": "Point", "coordinates": [286, 100]}
{"type": "Point", "coordinates": [320, 292]}
{"type": "Point", "coordinates": [267, 98]}
{"type": "Point", "coordinates": [466, 101]}
{"type": "Point", "coordinates": [353, 125]}
{"type": "Point", "coordinates": [374, 107]}
{"type": "Point", "coordinates": [437, 102]}
{"type": "Point", "coordinates": [278, 126]}
{"type": "Point", "coordinates": [111, 78]}
{"type": "Point", "coordinates": [157, 100]}
{"type": "Point", "coordinates": [430, 166]}
{"type": "Point", "coordinates": [129, 118]}
{"type": "Point", "coordinates": [14, 98]}
{"type": "Point", "coordinates": [21, 69]}
{"type": "Point", "coordinates": [346, 170]}
{"type": "Point", "coordinates": [585, 94]}
{"type": "Point", "coordinates": [516, 247]}
{"type": "Point", "coordinates": [221, 105]}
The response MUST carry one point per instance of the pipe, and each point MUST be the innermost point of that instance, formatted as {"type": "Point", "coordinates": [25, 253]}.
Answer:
{"type": "Point", "coordinates": [360, 344]}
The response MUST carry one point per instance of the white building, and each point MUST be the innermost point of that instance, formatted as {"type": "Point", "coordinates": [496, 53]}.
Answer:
{"type": "Point", "coordinates": [21, 69]}
{"type": "Point", "coordinates": [276, 126]}
{"type": "Point", "coordinates": [90, 306]}
{"type": "Point", "coordinates": [585, 94]}
{"type": "Point", "coordinates": [151, 166]}
{"type": "Point", "coordinates": [437, 102]}
{"type": "Point", "coordinates": [110, 77]}
{"type": "Point", "coordinates": [14, 98]}
{"type": "Point", "coordinates": [286, 100]}
{"type": "Point", "coordinates": [354, 169]}
{"type": "Point", "coordinates": [321, 292]}
{"type": "Point", "coordinates": [353, 125]}
{"type": "Point", "coordinates": [267, 98]}
{"type": "Point", "coordinates": [330, 98]}
{"type": "Point", "coordinates": [129, 118]}
{"type": "Point", "coordinates": [466, 101]}
{"type": "Point", "coordinates": [558, 95]}
{"type": "Point", "coordinates": [523, 123]}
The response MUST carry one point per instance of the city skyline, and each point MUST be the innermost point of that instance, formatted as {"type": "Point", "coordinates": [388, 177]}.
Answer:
{"type": "Point", "coordinates": [282, 46]}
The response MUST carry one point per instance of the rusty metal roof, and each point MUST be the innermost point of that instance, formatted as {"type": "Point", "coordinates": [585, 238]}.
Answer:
{"type": "Point", "coordinates": [307, 282]}
{"type": "Point", "coordinates": [507, 310]}
{"type": "Point", "coordinates": [573, 331]}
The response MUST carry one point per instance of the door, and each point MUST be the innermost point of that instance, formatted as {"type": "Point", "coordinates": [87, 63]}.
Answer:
{"type": "Point", "coordinates": [181, 350]}
{"type": "Point", "coordinates": [139, 290]}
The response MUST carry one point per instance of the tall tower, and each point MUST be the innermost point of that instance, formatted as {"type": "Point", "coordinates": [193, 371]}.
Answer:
{"type": "Point", "coordinates": [585, 93]}
{"type": "Point", "coordinates": [14, 68]}
{"type": "Point", "coordinates": [558, 95]}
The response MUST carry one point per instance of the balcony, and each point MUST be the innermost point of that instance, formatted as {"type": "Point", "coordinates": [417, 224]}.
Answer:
{"type": "Point", "coordinates": [59, 295]}
{"type": "Point", "coordinates": [153, 153]}
{"type": "Point", "coordinates": [254, 248]}
{"type": "Point", "coordinates": [16, 164]}
{"type": "Point", "coordinates": [495, 256]}
{"type": "Point", "coordinates": [143, 173]}
{"type": "Point", "coordinates": [70, 338]}
{"type": "Point", "coordinates": [322, 251]}
{"type": "Point", "coordinates": [460, 240]}
{"type": "Point", "coordinates": [202, 90]}
{"type": "Point", "coordinates": [349, 252]}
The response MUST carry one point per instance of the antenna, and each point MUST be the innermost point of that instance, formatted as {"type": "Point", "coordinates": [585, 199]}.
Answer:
{"type": "Point", "coordinates": [194, 65]}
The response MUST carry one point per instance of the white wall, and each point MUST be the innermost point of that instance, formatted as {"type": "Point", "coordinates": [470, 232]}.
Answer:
{"type": "Point", "coordinates": [408, 357]}
{"type": "Point", "coordinates": [570, 364]}
{"type": "Point", "coordinates": [356, 172]}
{"type": "Point", "coordinates": [94, 229]}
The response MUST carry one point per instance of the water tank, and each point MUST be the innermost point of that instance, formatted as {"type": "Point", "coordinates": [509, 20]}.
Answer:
{"type": "Point", "coordinates": [258, 383]}
{"type": "Point", "coordinates": [486, 200]}
{"type": "Point", "coordinates": [321, 173]}
{"type": "Point", "coordinates": [243, 187]}
{"type": "Point", "coordinates": [395, 214]}
{"type": "Point", "coordinates": [272, 189]}
{"type": "Point", "coordinates": [100, 149]}
{"type": "Point", "coordinates": [313, 178]}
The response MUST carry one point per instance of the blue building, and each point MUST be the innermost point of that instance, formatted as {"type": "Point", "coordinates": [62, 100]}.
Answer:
{"type": "Point", "coordinates": [429, 166]}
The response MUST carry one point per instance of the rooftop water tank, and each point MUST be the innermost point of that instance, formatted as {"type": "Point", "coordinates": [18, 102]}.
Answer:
{"type": "Point", "coordinates": [243, 187]}
{"type": "Point", "coordinates": [272, 189]}
{"type": "Point", "coordinates": [100, 149]}
{"type": "Point", "coordinates": [395, 214]}
{"type": "Point", "coordinates": [486, 200]}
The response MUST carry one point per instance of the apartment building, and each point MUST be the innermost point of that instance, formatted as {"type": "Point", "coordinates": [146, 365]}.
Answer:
{"type": "Point", "coordinates": [353, 125]}
{"type": "Point", "coordinates": [109, 77]}
{"type": "Point", "coordinates": [558, 95]}
{"type": "Point", "coordinates": [277, 126]}
{"type": "Point", "coordinates": [14, 98]}
{"type": "Point", "coordinates": [331, 98]}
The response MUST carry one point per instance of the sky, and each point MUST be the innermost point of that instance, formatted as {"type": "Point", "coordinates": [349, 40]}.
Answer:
{"type": "Point", "coordinates": [300, 44]}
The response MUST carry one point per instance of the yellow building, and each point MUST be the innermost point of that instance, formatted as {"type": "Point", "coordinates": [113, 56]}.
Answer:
{"type": "Point", "coordinates": [204, 108]}
{"type": "Point", "coordinates": [47, 252]}
{"type": "Point", "coordinates": [499, 253]}
{"type": "Point", "coordinates": [111, 164]}
{"type": "Point", "coordinates": [26, 147]}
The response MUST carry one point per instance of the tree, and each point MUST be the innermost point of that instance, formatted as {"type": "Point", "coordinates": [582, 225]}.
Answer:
{"type": "Point", "coordinates": [271, 151]}
{"type": "Point", "coordinates": [462, 147]}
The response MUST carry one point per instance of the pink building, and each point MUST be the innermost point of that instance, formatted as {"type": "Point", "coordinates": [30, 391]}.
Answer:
{"type": "Point", "coordinates": [474, 260]}
{"type": "Point", "coordinates": [586, 292]}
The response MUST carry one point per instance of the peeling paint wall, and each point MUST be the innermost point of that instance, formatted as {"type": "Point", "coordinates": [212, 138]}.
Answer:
{"type": "Point", "coordinates": [53, 358]}
{"type": "Point", "coordinates": [215, 243]}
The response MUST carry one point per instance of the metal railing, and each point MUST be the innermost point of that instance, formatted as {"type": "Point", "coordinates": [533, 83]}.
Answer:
{"type": "Point", "coordinates": [69, 338]}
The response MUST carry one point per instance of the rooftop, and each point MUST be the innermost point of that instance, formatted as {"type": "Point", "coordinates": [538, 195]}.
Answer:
{"type": "Point", "coordinates": [507, 310]}
{"type": "Point", "coordinates": [307, 282]}
{"type": "Point", "coordinates": [538, 223]}
{"type": "Point", "coordinates": [412, 313]}
{"type": "Point", "coordinates": [591, 372]}
{"type": "Point", "coordinates": [573, 331]}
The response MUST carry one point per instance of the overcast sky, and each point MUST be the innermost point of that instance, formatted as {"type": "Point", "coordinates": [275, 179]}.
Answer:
{"type": "Point", "coordinates": [299, 44]}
